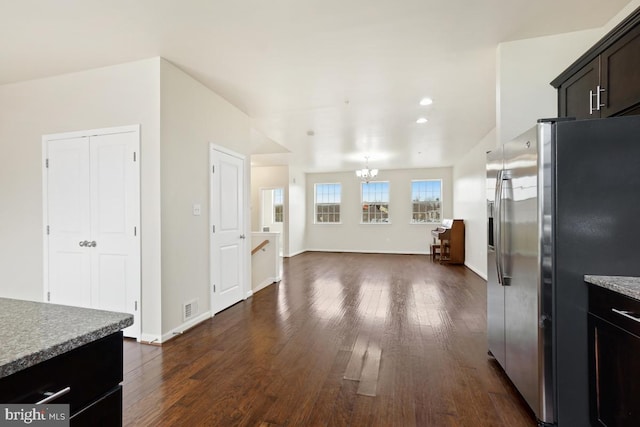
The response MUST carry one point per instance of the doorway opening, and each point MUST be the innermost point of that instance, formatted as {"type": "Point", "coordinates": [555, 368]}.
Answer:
{"type": "Point", "coordinates": [272, 212]}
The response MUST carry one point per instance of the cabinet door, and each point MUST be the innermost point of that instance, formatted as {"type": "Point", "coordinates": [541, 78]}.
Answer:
{"type": "Point", "coordinates": [614, 369]}
{"type": "Point", "coordinates": [620, 77]}
{"type": "Point", "coordinates": [574, 95]}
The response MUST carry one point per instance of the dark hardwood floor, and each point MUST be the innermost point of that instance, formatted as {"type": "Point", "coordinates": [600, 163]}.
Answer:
{"type": "Point", "coordinates": [410, 334]}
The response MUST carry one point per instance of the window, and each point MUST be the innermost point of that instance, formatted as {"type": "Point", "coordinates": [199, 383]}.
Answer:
{"type": "Point", "coordinates": [426, 198]}
{"type": "Point", "coordinates": [327, 205]}
{"type": "Point", "coordinates": [375, 202]}
{"type": "Point", "coordinates": [278, 205]}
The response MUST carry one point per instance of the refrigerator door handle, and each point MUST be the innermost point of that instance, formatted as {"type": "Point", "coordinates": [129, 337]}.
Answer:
{"type": "Point", "coordinates": [505, 280]}
{"type": "Point", "coordinates": [498, 225]}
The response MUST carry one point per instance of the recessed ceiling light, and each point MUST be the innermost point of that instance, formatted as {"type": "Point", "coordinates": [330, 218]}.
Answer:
{"type": "Point", "coordinates": [421, 120]}
{"type": "Point", "coordinates": [426, 101]}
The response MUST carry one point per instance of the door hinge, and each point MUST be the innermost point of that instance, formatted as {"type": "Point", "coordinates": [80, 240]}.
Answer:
{"type": "Point", "coordinates": [214, 288]}
{"type": "Point", "coordinates": [48, 229]}
{"type": "Point", "coordinates": [134, 156]}
{"type": "Point", "coordinates": [48, 296]}
{"type": "Point", "coordinates": [135, 231]}
{"type": "Point", "coordinates": [46, 163]}
{"type": "Point", "coordinates": [136, 306]}
{"type": "Point", "coordinates": [213, 169]}
{"type": "Point", "coordinates": [214, 228]}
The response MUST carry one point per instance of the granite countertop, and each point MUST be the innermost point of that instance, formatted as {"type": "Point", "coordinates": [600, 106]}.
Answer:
{"type": "Point", "coordinates": [628, 286]}
{"type": "Point", "coordinates": [32, 332]}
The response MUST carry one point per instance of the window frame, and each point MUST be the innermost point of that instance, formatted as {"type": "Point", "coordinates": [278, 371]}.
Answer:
{"type": "Point", "coordinates": [388, 203]}
{"type": "Point", "coordinates": [315, 204]}
{"type": "Point", "coordinates": [412, 220]}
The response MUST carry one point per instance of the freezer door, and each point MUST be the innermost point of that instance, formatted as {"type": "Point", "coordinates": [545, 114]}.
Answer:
{"type": "Point", "coordinates": [495, 291]}
{"type": "Point", "coordinates": [521, 265]}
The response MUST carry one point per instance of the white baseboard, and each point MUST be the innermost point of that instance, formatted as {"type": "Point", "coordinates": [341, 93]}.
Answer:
{"type": "Point", "coordinates": [368, 251]}
{"type": "Point", "coordinates": [295, 253]}
{"type": "Point", "coordinates": [266, 282]}
{"type": "Point", "coordinates": [185, 326]}
{"type": "Point", "coordinates": [150, 339]}
{"type": "Point", "coordinates": [476, 270]}
{"type": "Point", "coordinates": [249, 294]}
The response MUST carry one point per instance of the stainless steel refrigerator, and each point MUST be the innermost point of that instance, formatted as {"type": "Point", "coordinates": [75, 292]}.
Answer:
{"type": "Point", "coordinates": [563, 200]}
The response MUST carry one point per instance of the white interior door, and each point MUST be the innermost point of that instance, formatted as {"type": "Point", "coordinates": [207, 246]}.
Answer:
{"type": "Point", "coordinates": [228, 238]}
{"type": "Point", "coordinates": [92, 211]}
{"type": "Point", "coordinates": [115, 212]}
{"type": "Point", "coordinates": [68, 223]}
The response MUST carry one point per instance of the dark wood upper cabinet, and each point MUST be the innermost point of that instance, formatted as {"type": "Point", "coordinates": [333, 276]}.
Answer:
{"type": "Point", "coordinates": [575, 96]}
{"type": "Point", "coordinates": [620, 74]}
{"type": "Point", "coordinates": [605, 81]}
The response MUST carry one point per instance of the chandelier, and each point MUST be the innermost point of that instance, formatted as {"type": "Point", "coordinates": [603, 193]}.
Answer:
{"type": "Point", "coordinates": [366, 174]}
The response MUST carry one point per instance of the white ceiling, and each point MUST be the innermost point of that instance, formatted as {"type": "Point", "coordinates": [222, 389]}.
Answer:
{"type": "Point", "coordinates": [352, 71]}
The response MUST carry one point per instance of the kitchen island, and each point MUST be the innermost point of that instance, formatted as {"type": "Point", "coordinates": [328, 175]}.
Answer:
{"type": "Point", "coordinates": [614, 350]}
{"type": "Point", "coordinates": [627, 286]}
{"type": "Point", "coordinates": [59, 354]}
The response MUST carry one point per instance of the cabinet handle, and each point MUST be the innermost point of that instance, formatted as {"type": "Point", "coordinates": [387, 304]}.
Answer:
{"type": "Point", "coordinates": [53, 396]}
{"type": "Point", "coordinates": [591, 102]}
{"type": "Point", "coordinates": [626, 314]}
{"type": "Point", "coordinates": [599, 90]}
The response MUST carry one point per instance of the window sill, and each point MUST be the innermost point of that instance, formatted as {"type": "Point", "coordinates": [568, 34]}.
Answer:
{"type": "Point", "coordinates": [375, 223]}
{"type": "Point", "coordinates": [327, 223]}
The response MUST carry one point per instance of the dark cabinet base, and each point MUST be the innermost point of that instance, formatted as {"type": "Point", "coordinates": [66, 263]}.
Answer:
{"type": "Point", "coordinates": [614, 360]}
{"type": "Point", "coordinates": [92, 372]}
{"type": "Point", "coordinates": [105, 412]}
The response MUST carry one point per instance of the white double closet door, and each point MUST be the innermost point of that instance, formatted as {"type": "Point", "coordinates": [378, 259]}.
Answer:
{"type": "Point", "coordinates": [92, 220]}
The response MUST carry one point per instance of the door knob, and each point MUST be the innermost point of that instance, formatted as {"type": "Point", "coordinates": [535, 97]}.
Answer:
{"type": "Point", "coordinates": [242, 236]}
{"type": "Point", "coordinates": [83, 243]}
{"type": "Point", "coordinates": [93, 244]}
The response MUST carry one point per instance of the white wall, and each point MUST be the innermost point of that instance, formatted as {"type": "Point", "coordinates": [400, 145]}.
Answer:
{"type": "Point", "coordinates": [399, 236]}
{"type": "Point", "coordinates": [297, 220]}
{"type": "Point", "coordinates": [192, 116]}
{"type": "Point", "coordinates": [469, 202]}
{"type": "Point", "coordinates": [105, 97]}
